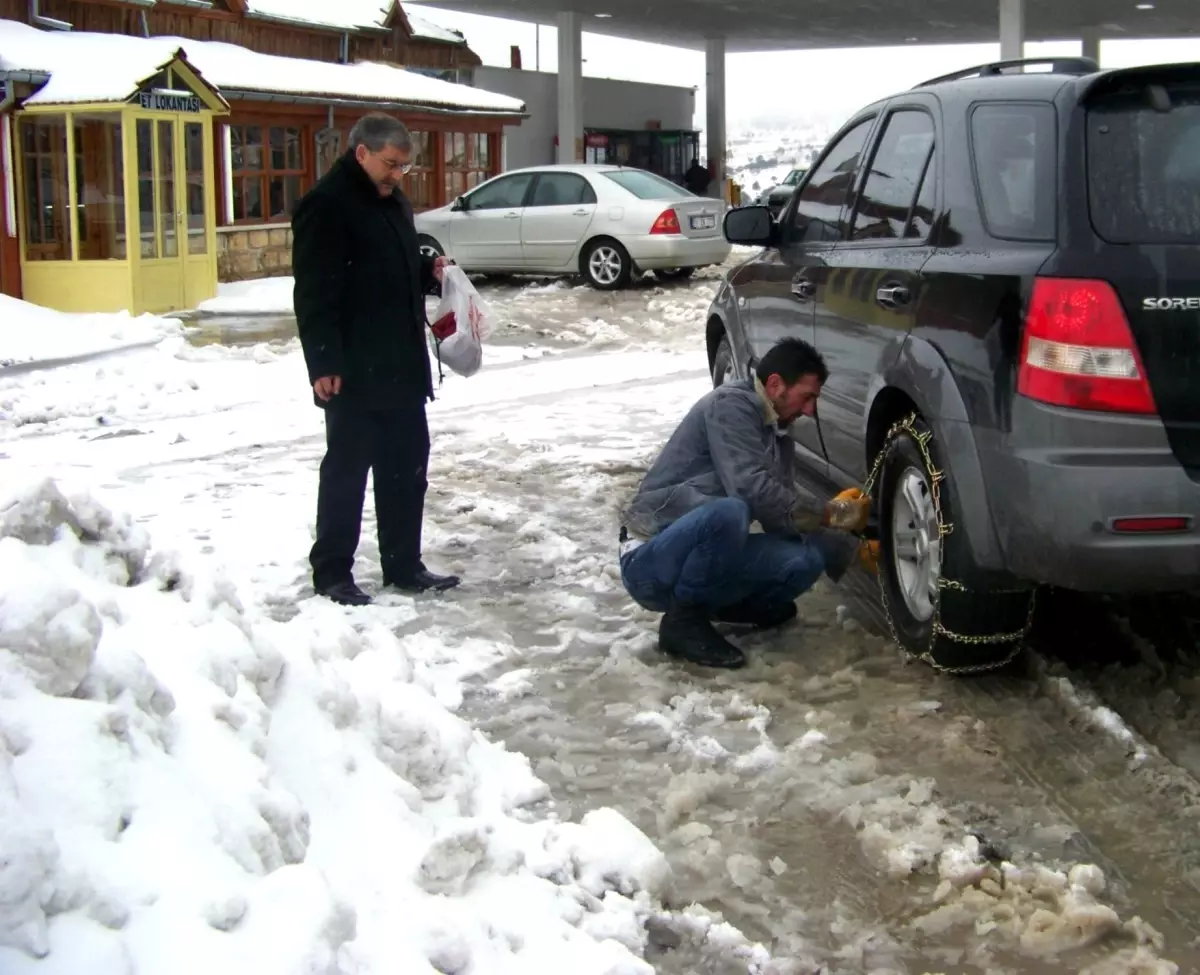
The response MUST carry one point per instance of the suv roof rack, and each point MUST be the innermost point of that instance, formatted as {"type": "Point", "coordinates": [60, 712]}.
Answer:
{"type": "Point", "coordinates": [1071, 66]}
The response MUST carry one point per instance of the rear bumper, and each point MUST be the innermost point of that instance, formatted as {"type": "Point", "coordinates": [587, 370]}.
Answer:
{"type": "Point", "coordinates": [664, 251]}
{"type": "Point", "coordinates": [1054, 506]}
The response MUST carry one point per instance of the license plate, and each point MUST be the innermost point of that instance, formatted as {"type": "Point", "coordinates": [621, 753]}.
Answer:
{"type": "Point", "coordinates": [704, 223]}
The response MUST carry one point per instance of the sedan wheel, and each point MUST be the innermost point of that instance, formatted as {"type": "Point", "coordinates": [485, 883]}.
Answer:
{"type": "Point", "coordinates": [916, 544]}
{"type": "Point", "coordinates": [674, 273]}
{"type": "Point", "coordinates": [606, 265]}
{"type": "Point", "coordinates": [430, 247]}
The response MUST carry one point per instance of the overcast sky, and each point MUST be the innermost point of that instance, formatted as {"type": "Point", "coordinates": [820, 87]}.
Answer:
{"type": "Point", "coordinates": [806, 85]}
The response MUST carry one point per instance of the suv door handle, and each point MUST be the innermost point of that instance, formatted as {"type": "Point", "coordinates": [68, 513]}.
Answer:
{"type": "Point", "coordinates": [893, 297]}
{"type": "Point", "coordinates": [803, 288]}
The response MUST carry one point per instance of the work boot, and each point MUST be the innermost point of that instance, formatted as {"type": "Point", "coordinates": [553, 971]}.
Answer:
{"type": "Point", "coordinates": [760, 617]}
{"type": "Point", "coordinates": [344, 594]}
{"type": "Point", "coordinates": [686, 633]}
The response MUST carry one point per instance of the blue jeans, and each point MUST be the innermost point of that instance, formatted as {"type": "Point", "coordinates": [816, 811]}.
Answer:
{"type": "Point", "coordinates": [709, 558]}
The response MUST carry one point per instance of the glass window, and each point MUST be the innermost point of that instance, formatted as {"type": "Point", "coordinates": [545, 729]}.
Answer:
{"type": "Point", "coordinates": [145, 166]}
{"type": "Point", "coordinates": [43, 140]}
{"type": "Point", "coordinates": [269, 172]}
{"type": "Point", "coordinates": [920, 226]}
{"type": "Point", "coordinates": [468, 161]}
{"type": "Point", "coordinates": [819, 207]}
{"type": "Point", "coordinates": [1144, 165]}
{"type": "Point", "coordinates": [505, 193]}
{"type": "Point", "coordinates": [329, 148]}
{"type": "Point", "coordinates": [897, 168]}
{"type": "Point", "coordinates": [562, 189]}
{"type": "Point", "coordinates": [195, 163]}
{"type": "Point", "coordinates": [418, 184]}
{"type": "Point", "coordinates": [99, 187]}
{"type": "Point", "coordinates": [647, 186]}
{"type": "Point", "coordinates": [168, 226]}
{"type": "Point", "coordinates": [1015, 148]}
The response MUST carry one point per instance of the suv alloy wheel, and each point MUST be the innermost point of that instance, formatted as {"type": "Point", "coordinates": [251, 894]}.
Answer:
{"type": "Point", "coordinates": [932, 614]}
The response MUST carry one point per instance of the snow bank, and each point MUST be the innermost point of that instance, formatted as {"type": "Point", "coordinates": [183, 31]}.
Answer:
{"type": "Point", "coordinates": [269, 296]}
{"type": "Point", "coordinates": [31, 333]}
{"type": "Point", "coordinates": [188, 786]}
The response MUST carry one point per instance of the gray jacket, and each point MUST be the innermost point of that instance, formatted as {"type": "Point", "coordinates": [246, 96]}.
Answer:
{"type": "Point", "coordinates": [730, 446]}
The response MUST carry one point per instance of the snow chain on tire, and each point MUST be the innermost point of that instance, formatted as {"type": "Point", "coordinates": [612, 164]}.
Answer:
{"type": "Point", "coordinates": [1016, 637]}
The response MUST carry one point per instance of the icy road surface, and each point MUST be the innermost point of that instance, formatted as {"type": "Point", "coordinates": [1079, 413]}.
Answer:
{"type": "Point", "coordinates": [843, 811]}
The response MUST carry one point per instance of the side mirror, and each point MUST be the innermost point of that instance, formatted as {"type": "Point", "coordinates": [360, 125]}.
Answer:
{"type": "Point", "coordinates": [752, 226]}
{"type": "Point", "coordinates": [460, 204]}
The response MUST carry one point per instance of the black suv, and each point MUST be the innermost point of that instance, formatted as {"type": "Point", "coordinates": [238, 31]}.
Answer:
{"type": "Point", "coordinates": [1001, 268]}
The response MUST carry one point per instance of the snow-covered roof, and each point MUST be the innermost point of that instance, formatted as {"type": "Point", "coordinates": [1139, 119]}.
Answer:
{"type": "Point", "coordinates": [86, 67]}
{"type": "Point", "coordinates": [423, 28]}
{"type": "Point", "coordinates": [348, 15]}
{"type": "Point", "coordinates": [340, 14]}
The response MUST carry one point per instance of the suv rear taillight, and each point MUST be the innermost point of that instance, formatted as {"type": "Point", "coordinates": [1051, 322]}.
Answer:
{"type": "Point", "coordinates": [1078, 350]}
{"type": "Point", "coordinates": [667, 223]}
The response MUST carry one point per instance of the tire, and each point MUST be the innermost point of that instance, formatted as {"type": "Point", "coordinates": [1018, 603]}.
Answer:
{"type": "Point", "coordinates": [932, 617]}
{"type": "Point", "coordinates": [722, 365]}
{"type": "Point", "coordinates": [668, 274]}
{"type": "Point", "coordinates": [606, 265]}
{"type": "Point", "coordinates": [429, 246]}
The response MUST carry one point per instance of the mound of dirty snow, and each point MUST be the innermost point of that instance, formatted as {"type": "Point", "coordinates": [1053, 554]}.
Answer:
{"type": "Point", "coordinates": [188, 786]}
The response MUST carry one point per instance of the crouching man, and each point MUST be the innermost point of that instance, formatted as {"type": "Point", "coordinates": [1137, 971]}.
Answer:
{"type": "Point", "coordinates": [686, 547]}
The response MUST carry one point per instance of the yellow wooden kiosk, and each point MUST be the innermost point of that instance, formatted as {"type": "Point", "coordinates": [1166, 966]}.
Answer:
{"type": "Point", "coordinates": [92, 176]}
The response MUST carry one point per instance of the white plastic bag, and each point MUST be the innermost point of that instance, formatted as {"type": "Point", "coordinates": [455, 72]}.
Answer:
{"type": "Point", "coordinates": [463, 350]}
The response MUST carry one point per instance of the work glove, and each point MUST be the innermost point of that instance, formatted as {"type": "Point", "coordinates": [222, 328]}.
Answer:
{"type": "Point", "coordinates": [849, 511]}
{"type": "Point", "coordinates": [868, 557]}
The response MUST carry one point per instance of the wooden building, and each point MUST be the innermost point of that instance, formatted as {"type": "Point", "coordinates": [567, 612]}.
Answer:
{"type": "Point", "coordinates": [294, 76]}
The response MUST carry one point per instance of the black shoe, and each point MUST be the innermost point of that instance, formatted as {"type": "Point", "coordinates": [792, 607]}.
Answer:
{"type": "Point", "coordinates": [423, 581]}
{"type": "Point", "coordinates": [687, 634]}
{"type": "Point", "coordinates": [344, 594]}
{"type": "Point", "coordinates": [759, 617]}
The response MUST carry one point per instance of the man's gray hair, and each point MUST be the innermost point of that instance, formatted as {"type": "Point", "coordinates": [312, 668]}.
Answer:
{"type": "Point", "coordinates": [378, 130]}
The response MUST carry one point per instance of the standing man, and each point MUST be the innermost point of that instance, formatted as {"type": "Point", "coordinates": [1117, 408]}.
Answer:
{"type": "Point", "coordinates": [697, 178]}
{"type": "Point", "coordinates": [686, 547]}
{"type": "Point", "coordinates": [361, 282]}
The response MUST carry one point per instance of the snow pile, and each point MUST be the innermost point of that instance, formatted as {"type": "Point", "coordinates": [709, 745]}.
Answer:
{"type": "Point", "coordinates": [187, 785]}
{"type": "Point", "coordinates": [268, 296]}
{"type": "Point", "coordinates": [31, 333]}
{"type": "Point", "coordinates": [1084, 706]}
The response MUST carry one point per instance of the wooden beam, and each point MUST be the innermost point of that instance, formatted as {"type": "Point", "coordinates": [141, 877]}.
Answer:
{"type": "Point", "coordinates": [397, 18]}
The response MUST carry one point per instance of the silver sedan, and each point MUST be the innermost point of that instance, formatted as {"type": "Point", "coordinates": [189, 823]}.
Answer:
{"type": "Point", "coordinates": [606, 223]}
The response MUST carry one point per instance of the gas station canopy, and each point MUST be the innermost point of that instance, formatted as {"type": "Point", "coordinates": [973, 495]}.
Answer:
{"type": "Point", "coordinates": [765, 25]}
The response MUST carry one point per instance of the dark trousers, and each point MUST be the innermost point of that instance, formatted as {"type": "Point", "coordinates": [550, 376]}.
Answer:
{"type": "Point", "coordinates": [709, 558]}
{"type": "Point", "coordinates": [395, 445]}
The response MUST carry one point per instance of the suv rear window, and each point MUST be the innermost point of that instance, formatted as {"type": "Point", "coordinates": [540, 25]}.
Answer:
{"type": "Point", "coordinates": [1144, 165]}
{"type": "Point", "coordinates": [647, 186]}
{"type": "Point", "coordinates": [1014, 145]}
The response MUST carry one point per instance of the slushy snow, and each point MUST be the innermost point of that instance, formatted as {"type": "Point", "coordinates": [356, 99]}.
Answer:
{"type": "Point", "coordinates": [205, 766]}
{"type": "Point", "coordinates": [187, 785]}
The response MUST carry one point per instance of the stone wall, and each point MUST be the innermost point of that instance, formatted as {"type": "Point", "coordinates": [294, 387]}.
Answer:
{"type": "Point", "coordinates": [246, 253]}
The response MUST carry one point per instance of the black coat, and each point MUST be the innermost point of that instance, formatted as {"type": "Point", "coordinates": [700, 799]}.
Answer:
{"type": "Point", "coordinates": [361, 282]}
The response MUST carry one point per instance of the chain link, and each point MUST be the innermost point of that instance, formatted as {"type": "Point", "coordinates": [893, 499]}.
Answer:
{"type": "Point", "coordinates": [921, 438]}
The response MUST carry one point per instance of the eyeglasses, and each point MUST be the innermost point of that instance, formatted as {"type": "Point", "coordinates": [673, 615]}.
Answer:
{"type": "Point", "coordinates": [394, 165]}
